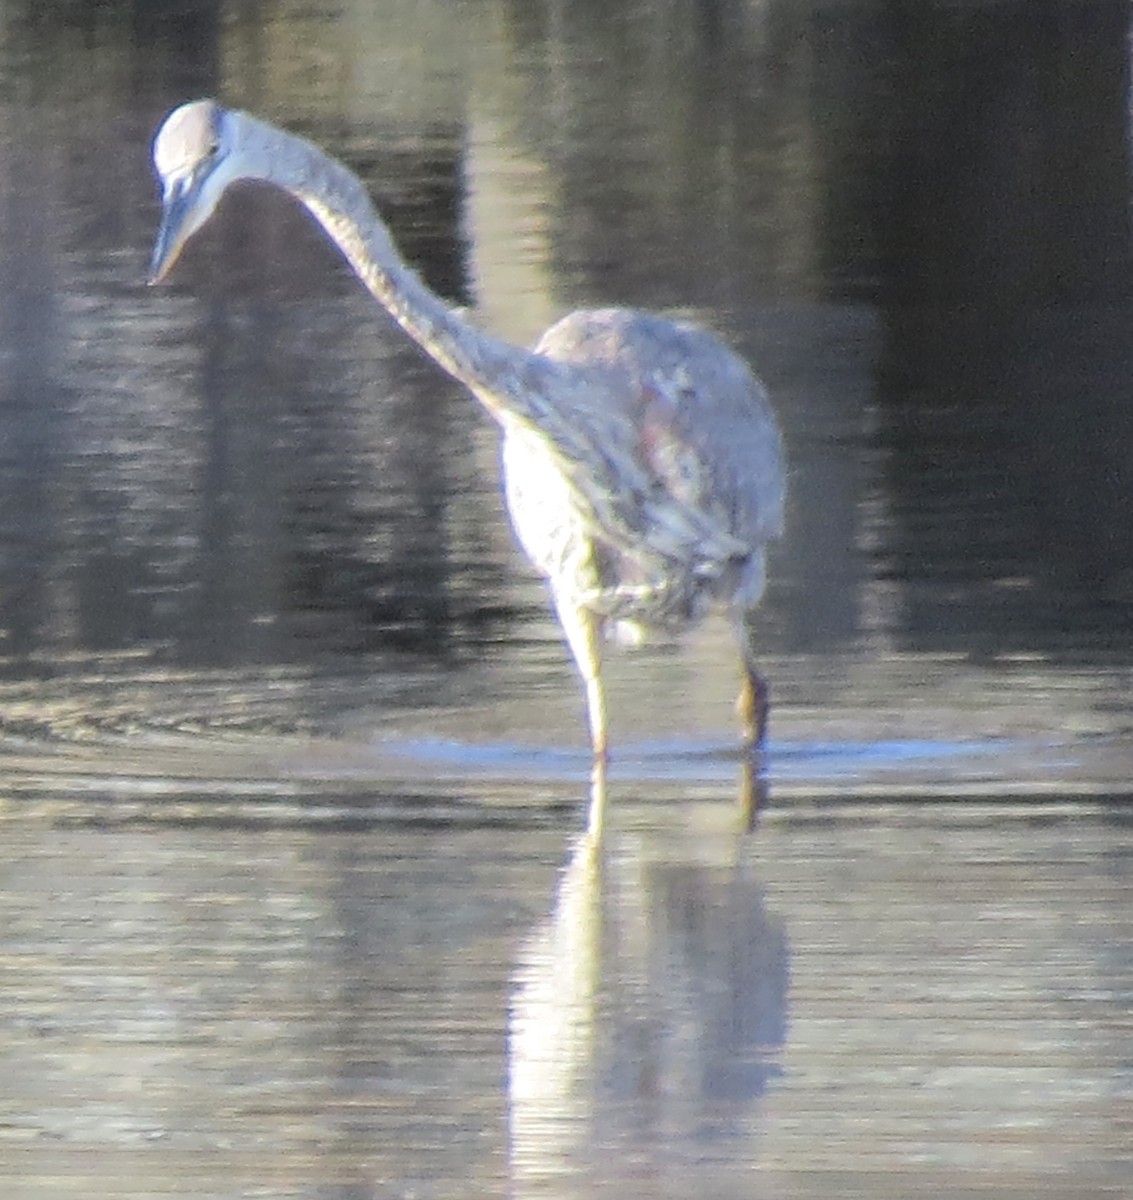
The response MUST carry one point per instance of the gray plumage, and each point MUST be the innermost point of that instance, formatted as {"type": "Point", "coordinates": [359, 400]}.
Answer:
{"type": "Point", "coordinates": [642, 462]}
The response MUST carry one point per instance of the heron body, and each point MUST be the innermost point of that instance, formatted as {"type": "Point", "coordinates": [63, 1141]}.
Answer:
{"type": "Point", "coordinates": [642, 462]}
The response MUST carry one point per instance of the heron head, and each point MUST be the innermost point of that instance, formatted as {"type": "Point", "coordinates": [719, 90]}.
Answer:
{"type": "Point", "coordinates": [193, 159]}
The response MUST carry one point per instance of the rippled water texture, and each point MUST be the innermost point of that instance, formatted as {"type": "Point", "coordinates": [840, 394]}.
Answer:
{"type": "Point", "coordinates": [294, 899]}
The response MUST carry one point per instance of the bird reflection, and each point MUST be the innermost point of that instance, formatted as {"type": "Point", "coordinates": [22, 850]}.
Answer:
{"type": "Point", "coordinates": [755, 787]}
{"type": "Point", "coordinates": [646, 1014]}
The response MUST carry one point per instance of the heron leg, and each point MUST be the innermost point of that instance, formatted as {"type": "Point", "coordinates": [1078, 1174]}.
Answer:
{"type": "Point", "coordinates": [581, 629]}
{"type": "Point", "coordinates": [754, 709]}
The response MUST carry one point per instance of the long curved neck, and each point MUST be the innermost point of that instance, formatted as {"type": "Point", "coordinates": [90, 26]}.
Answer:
{"type": "Point", "coordinates": [493, 369]}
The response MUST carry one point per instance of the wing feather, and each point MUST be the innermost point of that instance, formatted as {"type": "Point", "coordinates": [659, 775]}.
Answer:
{"type": "Point", "coordinates": [676, 452]}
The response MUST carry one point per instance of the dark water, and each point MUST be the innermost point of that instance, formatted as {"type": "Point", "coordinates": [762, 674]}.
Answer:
{"type": "Point", "coordinates": [292, 763]}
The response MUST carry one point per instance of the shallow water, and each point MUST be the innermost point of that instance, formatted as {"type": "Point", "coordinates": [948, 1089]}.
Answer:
{"type": "Point", "coordinates": [292, 763]}
{"type": "Point", "coordinates": [852, 1003]}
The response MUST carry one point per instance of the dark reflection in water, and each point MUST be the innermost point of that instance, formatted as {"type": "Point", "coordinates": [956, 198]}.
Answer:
{"type": "Point", "coordinates": [1007, 354]}
{"type": "Point", "coordinates": [915, 225]}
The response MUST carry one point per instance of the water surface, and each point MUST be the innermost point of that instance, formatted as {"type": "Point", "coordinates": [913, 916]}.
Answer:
{"type": "Point", "coordinates": [292, 761]}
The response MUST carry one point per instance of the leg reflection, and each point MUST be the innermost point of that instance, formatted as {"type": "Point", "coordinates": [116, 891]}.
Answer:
{"type": "Point", "coordinates": [647, 1015]}
{"type": "Point", "coordinates": [552, 1025]}
{"type": "Point", "coordinates": [755, 786]}
{"type": "Point", "coordinates": [596, 819]}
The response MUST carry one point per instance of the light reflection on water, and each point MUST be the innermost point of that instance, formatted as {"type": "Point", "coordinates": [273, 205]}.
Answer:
{"type": "Point", "coordinates": [411, 1008]}
{"type": "Point", "coordinates": [647, 1020]}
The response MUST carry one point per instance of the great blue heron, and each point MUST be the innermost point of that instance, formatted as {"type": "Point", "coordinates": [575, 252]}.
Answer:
{"type": "Point", "coordinates": [642, 462]}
